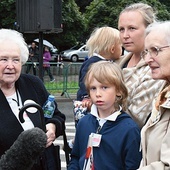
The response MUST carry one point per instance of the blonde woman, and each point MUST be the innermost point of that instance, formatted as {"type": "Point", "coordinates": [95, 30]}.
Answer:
{"type": "Point", "coordinates": [132, 23]}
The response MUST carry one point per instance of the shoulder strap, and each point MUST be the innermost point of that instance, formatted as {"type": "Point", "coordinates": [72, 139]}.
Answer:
{"type": "Point", "coordinates": [66, 148]}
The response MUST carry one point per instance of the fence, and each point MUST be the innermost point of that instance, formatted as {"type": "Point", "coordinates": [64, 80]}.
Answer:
{"type": "Point", "coordinates": [66, 78]}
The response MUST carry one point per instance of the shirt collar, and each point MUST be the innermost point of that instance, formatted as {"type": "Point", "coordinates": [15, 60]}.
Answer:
{"type": "Point", "coordinates": [112, 117]}
{"type": "Point", "coordinates": [98, 55]}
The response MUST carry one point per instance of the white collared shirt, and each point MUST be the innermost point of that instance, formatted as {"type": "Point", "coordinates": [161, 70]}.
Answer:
{"type": "Point", "coordinates": [98, 55]}
{"type": "Point", "coordinates": [15, 109]}
{"type": "Point", "coordinates": [111, 117]}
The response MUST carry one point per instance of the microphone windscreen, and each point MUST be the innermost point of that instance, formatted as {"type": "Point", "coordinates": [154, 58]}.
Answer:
{"type": "Point", "coordinates": [24, 152]}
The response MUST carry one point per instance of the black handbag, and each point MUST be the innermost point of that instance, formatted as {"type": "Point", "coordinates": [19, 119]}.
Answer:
{"type": "Point", "coordinates": [57, 155]}
{"type": "Point", "coordinates": [66, 148]}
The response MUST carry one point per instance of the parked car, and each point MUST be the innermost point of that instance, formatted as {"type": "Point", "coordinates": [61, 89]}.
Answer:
{"type": "Point", "coordinates": [75, 53]}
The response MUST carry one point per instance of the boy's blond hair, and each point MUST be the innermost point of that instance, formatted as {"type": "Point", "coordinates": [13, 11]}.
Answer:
{"type": "Point", "coordinates": [108, 73]}
{"type": "Point", "coordinates": [102, 39]}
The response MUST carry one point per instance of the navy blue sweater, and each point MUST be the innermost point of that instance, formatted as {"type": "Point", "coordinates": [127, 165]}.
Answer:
{"type": "Point", "coordinates": [84, 68]}
{"type": "Point", "coordinates": [119, 147]}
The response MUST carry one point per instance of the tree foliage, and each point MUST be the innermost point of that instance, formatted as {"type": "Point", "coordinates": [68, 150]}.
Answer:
{"type": "Point", "coordinates": [106, 12]}
{"type": "Point", "coordinates": [82, 4]}
{"type": "Point", "coordinates": [79, 20]}
{"type": "Point", "coordinates": [8, 13]}
{"type": "Point", "coordinates": [73, 24]}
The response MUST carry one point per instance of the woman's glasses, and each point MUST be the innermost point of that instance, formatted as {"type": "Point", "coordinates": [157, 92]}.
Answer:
{"type": "Point", "coordinates": [153, 51]}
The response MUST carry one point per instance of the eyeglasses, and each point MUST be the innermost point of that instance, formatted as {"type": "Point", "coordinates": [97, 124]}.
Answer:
{"type": "Point", "coordinates": [153, 51]}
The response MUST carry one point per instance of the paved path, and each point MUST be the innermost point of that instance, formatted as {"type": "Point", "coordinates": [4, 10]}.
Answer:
{"type": "Point", "coordinates": [70, 132]}
{"type": "Point", "coordinates": [66, 107]}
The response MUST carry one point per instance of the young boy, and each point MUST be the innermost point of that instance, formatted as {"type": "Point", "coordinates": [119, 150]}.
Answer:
{"type": "Point", "coordinates": [104, 44]}
{"type": "Point", "coordinates": [107, 138]}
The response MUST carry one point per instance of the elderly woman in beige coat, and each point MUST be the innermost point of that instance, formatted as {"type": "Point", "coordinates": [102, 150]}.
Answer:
{"type": "Point", "coordinates": [156, 133]}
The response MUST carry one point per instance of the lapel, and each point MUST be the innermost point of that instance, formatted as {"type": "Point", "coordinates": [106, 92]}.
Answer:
{"type": "Point", "coordinates": [8, 120]}
{"type": "Point", "coordinates": [27, 92]}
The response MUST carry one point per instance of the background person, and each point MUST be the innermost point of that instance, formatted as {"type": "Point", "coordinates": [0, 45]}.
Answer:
{"type": "Point", "coordinates": [117, 133]}
{"type": "Point", "coordinates": [33, 57]}
{"type": "Point", "coordinates": [104, 43]}
{"type": "Point", "coordinates": [46, 63]}
{"type": "Point", "coordinates": [132, 23]}
{"type": "Point", "coordinates": [156, 133]}
{"type": "Point", "coordinates": [15, 89]}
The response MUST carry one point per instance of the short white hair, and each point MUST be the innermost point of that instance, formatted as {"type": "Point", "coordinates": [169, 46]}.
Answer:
{"type": "Point", "coordinates": [161, 26]}
{"type": "Point", "coordinates": [16, 37]}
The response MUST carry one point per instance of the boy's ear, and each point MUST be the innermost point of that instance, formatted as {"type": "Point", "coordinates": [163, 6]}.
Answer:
{"type": "Point", "coordinates": [118, 94]}
{"type": "Point", "coordinates": [112, 49]}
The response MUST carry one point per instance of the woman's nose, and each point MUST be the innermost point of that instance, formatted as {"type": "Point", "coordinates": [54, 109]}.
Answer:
{"type": "Point", "coordinates": [125, 34]}
{"type": "Point", "coordinates": [9, 64]}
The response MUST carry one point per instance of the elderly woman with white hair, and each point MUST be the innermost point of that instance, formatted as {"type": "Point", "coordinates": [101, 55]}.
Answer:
{"type": "Point", "coordinates": [15, 90]}
{"type": "Point", "coordinates": [156, 133]}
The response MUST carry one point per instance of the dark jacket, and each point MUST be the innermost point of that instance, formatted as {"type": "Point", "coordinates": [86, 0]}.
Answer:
{"type": "Point", "coordinates": [29, 87]}
{"type": "Point", "coordinates": [84, 68]}
{"type": "Point", "coordinates": [35, 53]}
{"type": "Point", "coordinates": [119, 146]}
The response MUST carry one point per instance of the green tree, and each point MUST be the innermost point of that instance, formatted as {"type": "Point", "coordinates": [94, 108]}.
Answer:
{"type": "Point", "coordinates": [166, 3]}
{"type": "Point", "coordinates": [78, 26]}
{"type": "Point", "coordinates": [73, 25]}
{"type": "Point", "coordinates": [106, 12]}
{"type": "Point", "coordinates": [8, 13]}
{"type": "Point", "coordinates": [83, 4]}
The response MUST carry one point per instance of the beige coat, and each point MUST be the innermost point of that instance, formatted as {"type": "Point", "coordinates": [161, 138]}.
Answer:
{"type": "Point", "coordinates": [142, 89]}
{"type": "Point", "coordinates": [155, 136]}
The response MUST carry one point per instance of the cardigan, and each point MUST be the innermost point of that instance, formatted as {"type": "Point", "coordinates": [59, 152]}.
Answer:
{"type": "Point", "coordinates": [119, 146]}
{"type": "Point", "coordinates": [29, 87]}
{"type": "Point", "coordinates": [46, 59]}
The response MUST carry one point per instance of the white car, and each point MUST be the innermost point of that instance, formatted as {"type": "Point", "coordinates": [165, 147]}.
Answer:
{"type": "Point", "coordinates": [52, 48]}
{"type": "Point", "coordinates": [75, 53]}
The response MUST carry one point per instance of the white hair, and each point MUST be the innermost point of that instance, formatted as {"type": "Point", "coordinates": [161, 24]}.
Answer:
{"type": "Point", "coordinates": [16, 37]}
{"type": "Point", "coordinates": [162, 26]}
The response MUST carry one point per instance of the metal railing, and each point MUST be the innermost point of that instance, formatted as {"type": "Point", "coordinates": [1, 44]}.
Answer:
{"type": "Point", "coordinates": [66, 78]}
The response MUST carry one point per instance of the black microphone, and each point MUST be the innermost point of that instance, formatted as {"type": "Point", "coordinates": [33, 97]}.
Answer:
{"type": "Point", "coordinates": [25, 150]}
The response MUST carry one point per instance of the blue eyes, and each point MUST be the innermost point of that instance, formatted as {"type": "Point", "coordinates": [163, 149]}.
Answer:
{"type": "Point", "coordinates": [94, 88]}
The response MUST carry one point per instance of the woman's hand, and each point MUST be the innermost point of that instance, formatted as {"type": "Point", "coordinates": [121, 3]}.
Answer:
{"type": "Point", "coordinates": [50, 132]}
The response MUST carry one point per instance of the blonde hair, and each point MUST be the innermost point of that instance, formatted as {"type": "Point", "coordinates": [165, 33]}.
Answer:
{"type": "Point", "coordinates": [102, 39]}
{"type": "Point", "coordinates": [107, 72]}
{"type": "Point", "coordinates": [148, 13]}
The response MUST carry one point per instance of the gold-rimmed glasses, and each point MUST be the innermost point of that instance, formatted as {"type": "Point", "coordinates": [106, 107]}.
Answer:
{"type": "Point", "coordinates": [153, 51]}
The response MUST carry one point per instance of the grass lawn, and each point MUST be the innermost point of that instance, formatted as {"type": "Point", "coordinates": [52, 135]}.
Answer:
{"type": "Point", "coordinates": [59, 87]}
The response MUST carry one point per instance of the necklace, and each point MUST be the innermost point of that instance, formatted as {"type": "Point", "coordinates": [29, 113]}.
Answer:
{"type": "Point", "coordinates": [17, 99]}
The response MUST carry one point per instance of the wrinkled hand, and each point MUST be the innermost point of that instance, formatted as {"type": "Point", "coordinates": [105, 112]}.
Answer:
{"type": "Point", "coordinates": [51, 129]}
